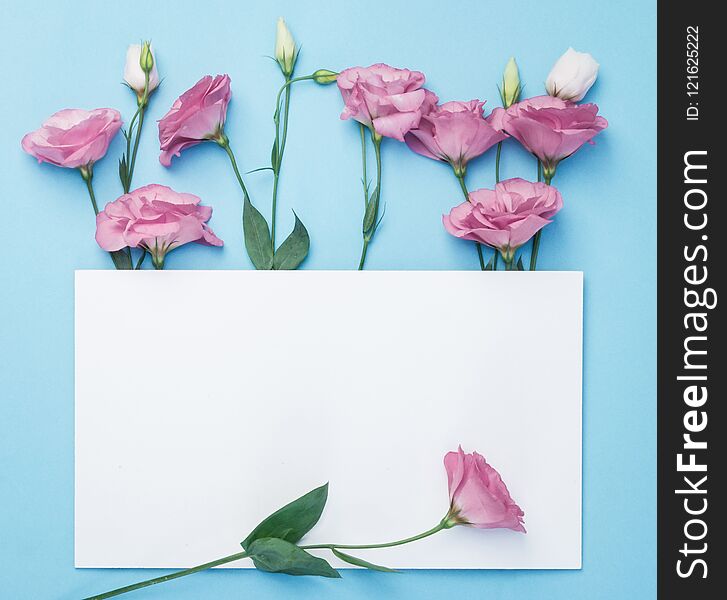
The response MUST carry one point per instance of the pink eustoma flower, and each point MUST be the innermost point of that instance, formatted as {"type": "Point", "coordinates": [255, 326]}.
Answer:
{"type": "Point", "coordinates": [478, 496]}
{"type": "Point", "coordinates": [550, 128]}
{"type": "Point", "coordinates": [387, 100]}
{"type": "Point", "coordinates": [155, 218]}
{"type": "Point", "coordinates": [506, 217]}
{"type": "Point", "coordinates": [74, 138]}
{"type": "Point", "coordinates": [196, 116]}
{"type": "Point", "coordinates": [455, 133]}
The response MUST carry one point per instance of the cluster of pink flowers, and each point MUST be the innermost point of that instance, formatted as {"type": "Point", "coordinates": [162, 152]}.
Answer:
{"type": "Point", "coordinates": [154, 217]}
{"type": "Point", "coordinates": [393, 103]}
{"type": "Point", "coordinates": [387, 102]}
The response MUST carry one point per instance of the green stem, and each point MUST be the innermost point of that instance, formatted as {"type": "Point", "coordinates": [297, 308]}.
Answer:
{"type": "Point", "coordinates": [132, 162]}
{"type": "Point", "coordinates": [497, 162]}
{"type": "Point", "coordinates": [463, 185]}
{"type": "Point", "coordinates": [131, 155]}
{"type": "Point", "coordinates": [280, 145]}
{"type": "Point", "coordinates": [363, 254]}
{"type": "Point", "coordinates": [89, 187]}
{"type": "Point", "coordinates": [225, 143]}
{"type": "Point", "coordinates": [497, 180]}
{"type": "Point", "coordinates": [377, 195]}
{"type": "Point", "coordinates": [365, 177]}
{"type": "Point", "coordinates": [163, 578]}
{"type": "Point", "coordinates": [536, 238]}
{"type": "Point", "coordinates": [444, 524]}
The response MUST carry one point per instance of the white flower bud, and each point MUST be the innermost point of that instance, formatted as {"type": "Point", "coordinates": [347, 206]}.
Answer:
{"type": "Point", "coordinates": [572, 76]}
{"type": "Point", "coordinates": [285, 48]}
{"type": "Point", "coordinates": [134, 74]}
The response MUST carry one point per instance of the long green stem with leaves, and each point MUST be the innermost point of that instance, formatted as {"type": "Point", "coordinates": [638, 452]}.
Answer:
{"type": "Point", "coordinates": [171, 576]}
{"type": "Point", "coordinates": [445, 523]}
{"type": "Point", "coordinates": [279, 150]}
{"type": "Point", "coordinates": [463, 186]}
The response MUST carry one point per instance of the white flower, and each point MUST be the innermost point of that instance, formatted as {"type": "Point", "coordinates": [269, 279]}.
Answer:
{"type": "Point", "coordinates": [572, 75]}
{"type": "Point", "coordinates": [133, 73]}
{"type": "Point", "coordinates": [284, 47]}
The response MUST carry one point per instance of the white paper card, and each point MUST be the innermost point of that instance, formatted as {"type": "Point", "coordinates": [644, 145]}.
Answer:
{"type": "Point", "coordinates": [205, 400]}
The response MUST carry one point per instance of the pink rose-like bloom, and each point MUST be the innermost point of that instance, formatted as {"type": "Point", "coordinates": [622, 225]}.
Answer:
{"type": "Point", "coordinates": [390, 101]}
{"type": "Point", "coordinates": [156, 218]}
{"type": "Point", "coordinates": [73, 137]}
{"type": "Point", "coordinates": [550, 128]}
{"type": "Point", "coordinates": [196, 116]}
{"type": "Point", "coordinates": [506, 217]}
{"type": "Point", "coordinates": [478, 496]}
{"type": "Point", "coordinates": [455, 132]}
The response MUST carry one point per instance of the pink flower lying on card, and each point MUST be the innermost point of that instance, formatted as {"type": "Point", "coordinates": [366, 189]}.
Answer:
{"type": "Point", "coordinates": [478, 496]}
{"type": "Point", "coordinates": [388, 100]}
{"type": "Point", "coordinates": [74, 137]}
{"type": "Point", "coordinates": [550, 128]}
{"type": "Point", "coordinates": [197, 115]}
{"type": "Point", "coordinates": [156, 218]}
{"type": "Point", "coordinates": [506, 217]}
{"type": "Point", "coordinates": [455, 132]}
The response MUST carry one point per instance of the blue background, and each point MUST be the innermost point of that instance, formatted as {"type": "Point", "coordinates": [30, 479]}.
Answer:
{"type": "Point", "coordinates": [57, 55]}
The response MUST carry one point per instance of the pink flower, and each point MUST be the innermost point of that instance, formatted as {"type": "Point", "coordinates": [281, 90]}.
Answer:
{"type": "Point", "coordinates": [506, 217]}
{"type": "Point", "coordinates": [196, 116]}
{"type": "Point", "coordinates": [387, 100]}
{"type": "Point", "coordinates": [477, 494]}
{"type": "Point", "coordinates": [73, 137]}
{"type": "Point", "coordinates": [551, 128]}
{"type": "Point", "coordinates": [455, 132]}
{"type": "Point", "coordinates": [156, 218]}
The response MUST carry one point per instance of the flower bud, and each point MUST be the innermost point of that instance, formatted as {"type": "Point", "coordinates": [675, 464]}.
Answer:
{"type": "Point", "coordinates": [511, 87]}
{"type": "Point", "coordinates": [146, 58]}
{"type": "Point", "coordinates": [285, 48]}
{"type": "Point", "coordinates": [140, 62]}
{"type": "Point", "coordinates": [572, 76]}
{"type": "Point", "coordinates": [324, 76]}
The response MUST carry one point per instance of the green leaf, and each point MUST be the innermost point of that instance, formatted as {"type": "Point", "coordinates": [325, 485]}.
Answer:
{"type": "Point", "coordinates": [372, 209]}
{"type": "Point", "coordinates": [490, 264]}
{"type": "Point", "coordinates": [520, 266]}
{"type": "Point", "coordinates": [278, 556]}
{"type": "Point", "coordinates": [360, 562]}
{"type": "Point", "coordinates": [121, 259]}
{"type": "Point", "coordinates": [294, 520]}
{"type": "Point", "coordinates": [123, 172]}
{"type": "Point", "coordinates": [274, 156]}
{"type": "Point", "coordinates": [294, 249]}
{"type": "Point", "coordinates": [257, 237]}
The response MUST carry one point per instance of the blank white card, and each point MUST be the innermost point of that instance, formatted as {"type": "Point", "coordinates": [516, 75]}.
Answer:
{"type": "Point", "coordinates": [205, 400]}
